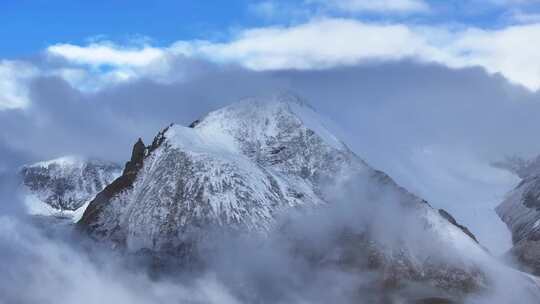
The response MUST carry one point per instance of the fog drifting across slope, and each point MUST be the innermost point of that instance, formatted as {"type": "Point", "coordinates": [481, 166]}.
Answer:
{"type": "Point", "coordinates": [38, 269]}
{"type": "Point", "coordinates": [43, 262]}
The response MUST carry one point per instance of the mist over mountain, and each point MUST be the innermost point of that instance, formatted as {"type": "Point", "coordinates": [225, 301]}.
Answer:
{"type": "Point", "coordinates": [256, 202]}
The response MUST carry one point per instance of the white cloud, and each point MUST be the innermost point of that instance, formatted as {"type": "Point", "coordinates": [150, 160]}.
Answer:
{"type": "Point", "coordinates": [323, 43]}
{"type": "Point", "coordinates": [513, 52]}
{"type": "Point", "coordinates": [379, 6]}
{"type": "Point", "coordinates": [318, 44]}
{"type": "Point", "coordinates": [87, 68]}
{"type": "Point", "coordinates": [14, 77]}
{"type": "Point", "coordinates": [102, 64]}
{"type": "Point", "coordinates": [104, 53]}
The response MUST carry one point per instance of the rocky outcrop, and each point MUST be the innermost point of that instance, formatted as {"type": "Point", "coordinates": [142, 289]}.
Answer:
{"type": "Point", "coordinates": [521, 212]}
{"type": "Point", "coordinates": [453, 221]}
{"type": "Point", "coordinates": [124, 182]}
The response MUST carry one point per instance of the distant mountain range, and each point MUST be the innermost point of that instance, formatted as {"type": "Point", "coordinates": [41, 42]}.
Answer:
{"type": "Point", "coordinates": [64, 186]}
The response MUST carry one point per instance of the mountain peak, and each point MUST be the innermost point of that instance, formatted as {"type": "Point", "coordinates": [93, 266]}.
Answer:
{"type": "Point", "coordinates": [256, 121]}
{"type": "Point", "coordinates": [237, 167]}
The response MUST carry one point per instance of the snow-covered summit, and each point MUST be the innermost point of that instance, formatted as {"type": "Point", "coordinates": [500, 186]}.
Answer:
{"type": "Point", "coordinates": [255, 121]}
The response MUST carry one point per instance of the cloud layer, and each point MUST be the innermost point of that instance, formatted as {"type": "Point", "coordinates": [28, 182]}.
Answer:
{"type": "Point", "coordinates": [318, 44]}
{"type": "Point", "coordinates": [307, 260]}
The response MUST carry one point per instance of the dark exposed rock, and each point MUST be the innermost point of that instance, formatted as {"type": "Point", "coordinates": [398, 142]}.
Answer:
{"type": "Point", "coordinates": [525, 256]}
{"type": "Point", "coordinates": [531, 199]}
{"type": "Point", "coordinates": [453, 221]}
{"type": "Point", "coordinates": [137, 157]}
{"type": "Point", "coordinates": [194, 124]}
{"type": "Point", "coordinates": [125, 181]}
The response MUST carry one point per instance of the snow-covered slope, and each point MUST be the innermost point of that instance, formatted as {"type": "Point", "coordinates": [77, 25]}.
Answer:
{"type": "Point", "coordinates": [66, 185]}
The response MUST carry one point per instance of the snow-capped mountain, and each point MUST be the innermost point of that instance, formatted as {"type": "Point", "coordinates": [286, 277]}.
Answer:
{"type": "Point", "coordinates": [64, 186]}
{"type": "Point", "coordinates": [241, 166]}
{"type": "Point", "coordinates": [521, 212]}
{"type": "Point", "coordinates": [237, 167]}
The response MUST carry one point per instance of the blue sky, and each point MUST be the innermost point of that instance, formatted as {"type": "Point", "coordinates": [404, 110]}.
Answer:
{"type": "Point", "coordinates": [31, 26]}
{"type": "Point", "coordinates": [98, 44]}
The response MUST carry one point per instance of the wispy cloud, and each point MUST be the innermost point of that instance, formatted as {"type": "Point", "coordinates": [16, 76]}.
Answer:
{"type": "Point", "coordinates": [521, 16]}
{"type": "Point", "coordinates": [265, 9]}
{"type": "Point", "coordinates": [106, 53]}
{"type": "Point", "coordinates": [103, 64]}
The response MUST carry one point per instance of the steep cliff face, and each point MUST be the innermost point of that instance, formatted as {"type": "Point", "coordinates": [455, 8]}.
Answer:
{"type": "Point", "coordinates": [64, 185]}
